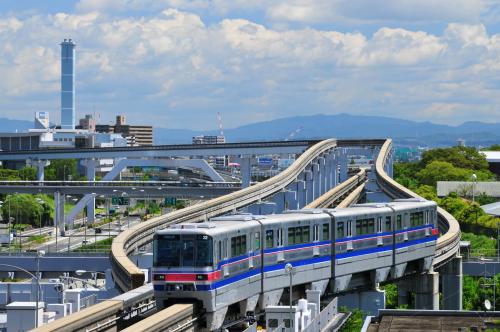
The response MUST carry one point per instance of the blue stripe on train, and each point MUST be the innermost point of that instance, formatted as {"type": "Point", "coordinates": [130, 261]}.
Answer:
{"type": "Point", "coordinates": [309, 261]}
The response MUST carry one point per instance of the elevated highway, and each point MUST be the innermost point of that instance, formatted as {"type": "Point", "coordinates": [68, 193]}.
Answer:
{"type": "Point", "coordinates": [118, 188]}
{"type": "Point", "coordinates": [128, 276]}
{"type": "Point", "coordinates": [162, 151]}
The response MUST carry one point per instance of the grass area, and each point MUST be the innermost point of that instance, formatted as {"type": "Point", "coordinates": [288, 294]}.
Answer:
{"type": "Point", "coordinates": [38, 239]}
{"type": "Point", "coordinates": [99, 246]}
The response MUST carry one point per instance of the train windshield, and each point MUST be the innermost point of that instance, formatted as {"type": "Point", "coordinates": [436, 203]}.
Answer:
{"type": "Point", "coordinates": [192, 250]}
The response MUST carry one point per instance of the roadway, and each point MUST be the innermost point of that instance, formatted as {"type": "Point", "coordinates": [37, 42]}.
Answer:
{"type": "Point", "coordinates": [117, 188]}
{"type": "Point", "coordinates": [164, 151]}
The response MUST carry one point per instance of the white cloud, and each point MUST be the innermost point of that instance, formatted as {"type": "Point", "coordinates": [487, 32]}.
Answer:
{"type": "Point", "coordinates": [174, 62]}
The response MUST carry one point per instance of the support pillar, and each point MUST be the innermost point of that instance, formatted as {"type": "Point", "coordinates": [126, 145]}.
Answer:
{"type": "Point", "coordinates": [308, 176]}
{"type": "Point", "coordinates": [329, 171]}
{"type": "Point", "coordinates": [301, 194]}
{"type": "Point", "coordinates": [316, 181]}
{"type": "Point", "coordinates": [322, 175]}
{"type": "Point", "coordinates": [451, 282]}
{"type": "Point", "coordinates": [367, 301]}
{"type": "Point", "coordinates": [343, 164]}
{"type": "Point", "coordinates": [90, 165]}
{"type": "Point", "coordinates": [279, 199]}
{"type": "Point", "coordinates": [40, 168]}
{"type": "Point", "coordinates": [426, 288]}
{"type": "Point", "coordinates": [59, 212]}
{"type": "Point", "coordinates": [246, 171]}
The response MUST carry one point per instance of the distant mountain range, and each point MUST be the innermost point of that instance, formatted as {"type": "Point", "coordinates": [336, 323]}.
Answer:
{"type": "Point", "coordinates": [404, 132]}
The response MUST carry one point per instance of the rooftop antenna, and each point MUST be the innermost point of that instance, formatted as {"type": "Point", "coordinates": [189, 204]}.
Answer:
{"type": "Point", "coordinates": [219, 120]}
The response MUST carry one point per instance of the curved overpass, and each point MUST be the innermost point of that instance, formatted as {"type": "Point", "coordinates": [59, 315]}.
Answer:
{"type": "Point", "coordinates": [447, 245]}
{"type": "Point", "coordinates": [128, 276]}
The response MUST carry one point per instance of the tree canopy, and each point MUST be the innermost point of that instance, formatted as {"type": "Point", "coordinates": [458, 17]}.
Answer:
{"type": "Point", "coordinates": [458, 156]}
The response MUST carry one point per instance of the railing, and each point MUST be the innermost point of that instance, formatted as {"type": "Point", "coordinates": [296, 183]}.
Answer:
{"type": "Point", "coordinates": [88, 301]}
{"type": "Point", "coordinates": [323, 319]}
{"type": "Point", "coordinates": [447, 244]}
{"type": "Point", "coordinates": [158, 184]}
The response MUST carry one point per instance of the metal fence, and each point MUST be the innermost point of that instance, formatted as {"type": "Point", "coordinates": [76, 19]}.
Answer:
{"type": "Point", "coordinates": [88, 301]}
{"type": "Point", "coordinates": [324, 317]}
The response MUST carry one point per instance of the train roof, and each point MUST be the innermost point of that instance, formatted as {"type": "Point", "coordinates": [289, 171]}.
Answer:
{"type": "Point", "coordinates": [244, 221]}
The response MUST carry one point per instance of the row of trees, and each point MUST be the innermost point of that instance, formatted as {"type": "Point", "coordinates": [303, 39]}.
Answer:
{"type": "Point", "coordinates": [64, 169]}
{"type": "Point", "coordinates": [28, 209]}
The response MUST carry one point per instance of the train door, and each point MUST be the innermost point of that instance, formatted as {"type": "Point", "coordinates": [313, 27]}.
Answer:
{"type": "Point", "coordinates": [279, 244]}
{"type": "Point", "coordinates": [225, 255]}
{"type": "Point", "coordinates": [315, 239]}
{"type": "Point", "coordinates": [427, 222]}
{"type": "Point", "coordinates": [406, 221]}
{"type": "Point", "coordinates": [379, 226]}
{"type": "Point", "coordinates": [349, 246]}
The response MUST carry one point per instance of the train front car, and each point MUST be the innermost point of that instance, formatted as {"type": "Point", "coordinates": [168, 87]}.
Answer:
{"type": "Point", "coordinates": [214, 264]}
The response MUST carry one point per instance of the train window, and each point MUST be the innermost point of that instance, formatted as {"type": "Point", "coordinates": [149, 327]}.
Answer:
{"type": "Point", "coordinates": [340, 230]}
{"type": "Point", "coordinates": [426, 217]}
{"type": "Point", "coordinates": [187, 250]}
{"type": "Point", "coordinates": [203, 251]}
{"type": "Point", "coordinates": [269, 238]}
{"type": "Point", "coordinates": [416, 218]}
{"type": "Point", "coordinates": [257, 240]}
{"type": "Point", "coordinates": [298, 235]}
{"type": "Point", "coordinates": [326, 232]}
{"type": "Point", "coordinates": [272, 323]}
{"type": "Point", "coordinates": [349, 228]}
{"type": "Point", "coordinates": [370, 228]}
{"type": "Point", "coordinates": [238, 245]}
{"type": "Point", "coordinates": [399, 224]}
{"type": "Point", "coordinates": [388, 224]}
{"type": "Point", "coordinates": [167, 250]}
{"type": "Point", "coordinates": [291, 235]}
{"type": "Point", "coordinates": [379, 224]}
{"type": "Point", "coordinates": [359, 227]}
{"type": "Point", "coordinates": [316, 233]}
{"type": "Point", "coordinates": [306, 236]}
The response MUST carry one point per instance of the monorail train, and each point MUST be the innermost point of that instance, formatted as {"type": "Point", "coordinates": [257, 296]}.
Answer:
{"type": "Point", "coordinates": [240, 259]}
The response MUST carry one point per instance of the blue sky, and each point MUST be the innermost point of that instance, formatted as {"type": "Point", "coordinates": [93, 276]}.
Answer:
{"type": "Point", "coordinates": [176, 63]}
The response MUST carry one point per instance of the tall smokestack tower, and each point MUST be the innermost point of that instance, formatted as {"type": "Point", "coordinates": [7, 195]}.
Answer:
{"type": "Point", "coordinates": [67, 84]}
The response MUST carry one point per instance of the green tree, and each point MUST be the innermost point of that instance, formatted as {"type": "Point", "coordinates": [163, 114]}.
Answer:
{"type": "Point", "coordinates": [458, 156]}
{"type": "Point", "coordinates": [28, 173]}
{"type": "Point", "coordinates": [62, 169]}
{"type": "Point", "coordinates": [25, 209]}
{"type": "Point", "coordinates": [445, 171]}
{"type": "Point", "coordinates": [427, 192]}
{"type": "Point", "coordinates": [494, 147]}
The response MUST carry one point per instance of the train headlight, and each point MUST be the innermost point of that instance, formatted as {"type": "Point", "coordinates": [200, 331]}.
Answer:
{"type": "Point", "coordinates": [159, 277]}
{"type": "Point", "coordinates": [178, 287]}
{"type": "Point", "coordinates": [202, 277]}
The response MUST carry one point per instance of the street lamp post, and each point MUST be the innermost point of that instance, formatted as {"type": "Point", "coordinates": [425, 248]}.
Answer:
{"type": "Point", "coordinates": [289, 271]}
{"type": "Point", "coordinates": [37, 298]}
{"type": "Point", "coordinates": [474, 180]}
{"type": "Point", "coordinates": [41, 202]}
